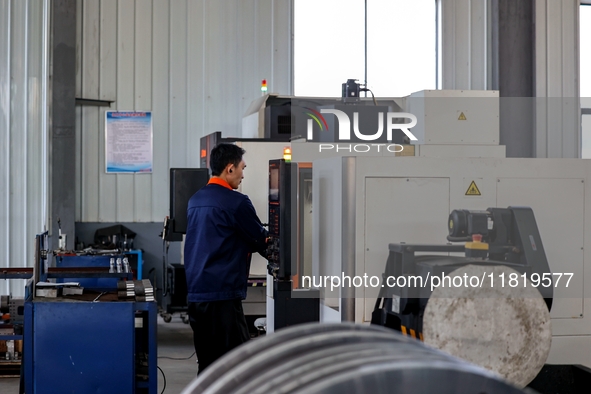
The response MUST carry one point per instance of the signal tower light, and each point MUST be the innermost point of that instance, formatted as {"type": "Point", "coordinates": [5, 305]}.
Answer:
{"type": "Point", "coordinates": [287, 154]}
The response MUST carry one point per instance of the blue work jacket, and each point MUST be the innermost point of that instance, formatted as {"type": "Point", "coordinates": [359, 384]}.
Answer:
{"type": "Point", "coordinates": [223, 230]}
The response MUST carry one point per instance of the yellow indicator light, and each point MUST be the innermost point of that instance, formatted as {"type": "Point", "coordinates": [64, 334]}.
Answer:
{"type": "Point", "coordinates": [287, 154]}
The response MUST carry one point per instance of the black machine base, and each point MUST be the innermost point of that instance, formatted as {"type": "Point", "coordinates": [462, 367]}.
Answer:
{"type": "Point", "coordinates": [293, 307]}
{"type": "Point", "coordinates": [562, 379]}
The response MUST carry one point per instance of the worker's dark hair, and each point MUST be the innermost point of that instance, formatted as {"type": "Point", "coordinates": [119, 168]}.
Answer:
{"type": "Point", "coordinates": [224, 154]}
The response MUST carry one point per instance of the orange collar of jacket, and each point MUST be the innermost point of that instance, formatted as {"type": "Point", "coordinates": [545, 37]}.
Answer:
{"type": "Point", "coordinates": [220, 181]}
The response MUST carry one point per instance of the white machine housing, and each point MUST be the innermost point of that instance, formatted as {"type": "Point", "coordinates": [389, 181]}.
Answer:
{"type": "Point", "coordinates": [455, 117]}
{"type": "Point", "coordinates": [256, 185]}
{"type": "Point", "coordinates": [362, 203]}
{"type": "Point", "coordinates": [456, 123]}
{"type": "Point", "coordinates": [408, 199]}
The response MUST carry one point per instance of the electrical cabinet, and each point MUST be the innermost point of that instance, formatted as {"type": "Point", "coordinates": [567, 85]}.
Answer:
{"type": "Point", "coordinates": [90, 347]}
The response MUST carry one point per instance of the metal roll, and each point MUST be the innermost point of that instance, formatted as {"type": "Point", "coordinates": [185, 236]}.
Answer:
{"type": "Point", "coordinates": [315, 362]}
{"type": "Point", "coordinates": [401, 377]}
{"type": "Point", "coordinates": [342, 358]}
{"type": "Point", "coordinates": [260, 345]}
{"type": "Point", "coordinates": [298, 347]}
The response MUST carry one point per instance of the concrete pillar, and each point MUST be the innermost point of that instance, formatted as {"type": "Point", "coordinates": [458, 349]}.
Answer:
{"type": "Point", "coordinates": [512, 64]}
{"type": "Point", "coordinates": [63, 120]}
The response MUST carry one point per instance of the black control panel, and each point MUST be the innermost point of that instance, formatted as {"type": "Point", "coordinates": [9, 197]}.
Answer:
{"type": "Point", "coordinates": [279, 253]}
{"type": "Point", "coordinates": [290, 306]}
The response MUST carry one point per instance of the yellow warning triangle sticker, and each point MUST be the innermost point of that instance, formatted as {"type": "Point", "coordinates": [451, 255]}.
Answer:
{"type": "Point", "coordinates": [473, 190]}
{"type": "Point", "coordinates": [462, 116]}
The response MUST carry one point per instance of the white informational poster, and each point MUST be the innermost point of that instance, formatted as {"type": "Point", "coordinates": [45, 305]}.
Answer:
{"type": "Point", "coordinates": [128, 142]}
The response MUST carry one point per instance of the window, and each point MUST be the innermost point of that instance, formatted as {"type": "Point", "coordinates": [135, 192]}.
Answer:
{"type": "Point", "coordinates": [400, 46]}
{"type": "Point", "coordinates": [329, 46]}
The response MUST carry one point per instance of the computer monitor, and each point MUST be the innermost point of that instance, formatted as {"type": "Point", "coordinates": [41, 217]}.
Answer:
{"type": "Point", "coordinates": [184, 182]}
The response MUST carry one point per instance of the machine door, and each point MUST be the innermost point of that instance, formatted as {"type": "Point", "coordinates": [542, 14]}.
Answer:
{"type": "Point", "coordinates": [557, 206]}
{"type": "Point", "coordinates": [401, 210]}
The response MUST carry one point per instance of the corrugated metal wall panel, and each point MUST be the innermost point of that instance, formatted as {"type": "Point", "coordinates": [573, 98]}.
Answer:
{"type": "Point", "coordinates": [283, 54]}
{"type": "Point", "coordinates": [178, 83]}
{"type": "Point", "coordinates": [107, 203]}
{"type": "Point", "coordinates": [553, 36]}
{"type": "Point", "coordinates": [195, 79]}
{"type": "Point", "coordinates": [571, 127]}
{"type": "Point", "coordinates": [5, 41]}
{"type": "Point", "coordinates": [465, 44]}
{"type": "Point", "coordinates": [479, 47]}
{"type": "Point", "coordinates": [222, 62]}
{"type": "Point", "coordinates": [18, 131]}
{"type": "Point", "coordinates": [197, 64]}
{"type": "Point", "coordinates": [142, 203]}
{"type": "Point", "coordinates": [89, 69]}
{"type": "Point", "coordinates": [35, 179]}
{"type": "Point", "coordinates": [541, 83]}
{"type": "Point", "coordinates": [79, 110]}
{"type": "Point", "coordinates": [126, 42]}
{"type": "Point", "coordinates": [23, 199]}
{"type": "Point", "coordinates": [263, 25]}
{"type": "Point", "coordinates": [160, 100]}
{"type": "Point", "coordinates": [557, 79]}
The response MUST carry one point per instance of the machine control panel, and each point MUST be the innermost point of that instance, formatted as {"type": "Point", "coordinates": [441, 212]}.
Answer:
{"type": "Point", "coordinates": [280, 211]}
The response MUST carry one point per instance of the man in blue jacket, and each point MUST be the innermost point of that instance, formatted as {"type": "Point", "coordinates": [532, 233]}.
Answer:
{"type": "Point", "coordinates": [223, 231]}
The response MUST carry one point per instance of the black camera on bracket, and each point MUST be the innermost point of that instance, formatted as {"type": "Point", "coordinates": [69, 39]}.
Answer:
{"type": "Point", "coordinates": [351, 90]}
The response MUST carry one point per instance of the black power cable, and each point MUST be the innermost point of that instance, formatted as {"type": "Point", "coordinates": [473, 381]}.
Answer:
{"type": "Point", "coordinates": [170, 358]}
{"type": "Point", "coordinates": [174, 358]}
{"type": "Point", "coordinates": [163, 377]}
{"type": "Point", "coordinates": [369, 90]}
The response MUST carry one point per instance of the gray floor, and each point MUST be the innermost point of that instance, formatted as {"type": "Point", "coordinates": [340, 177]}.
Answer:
{"type": "Point", "coordinates": [175, 340]}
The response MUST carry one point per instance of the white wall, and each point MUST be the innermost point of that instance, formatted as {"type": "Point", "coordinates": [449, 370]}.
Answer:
{"type": "Point", "coordinates": [196, 64]}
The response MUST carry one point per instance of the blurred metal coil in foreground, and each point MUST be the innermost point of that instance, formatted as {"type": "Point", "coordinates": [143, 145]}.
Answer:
{"type": "Point", "coordinates": [343, 358]}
